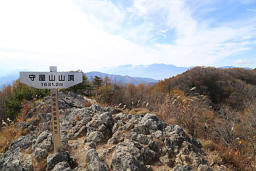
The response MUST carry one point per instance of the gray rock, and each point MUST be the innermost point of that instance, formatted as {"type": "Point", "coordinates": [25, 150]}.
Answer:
{"type": "Point", "coordinates": [96, 108]}
{"type": "Point", "coordinates": [62, 166]}
{"type": "Point", "coordinates": [11, 160]}
{"type": "Point", "coordinates": [44, 141]}
{"type": "Point", "coordinates": [155, 147]}
{"type": "Point", "coordinates": [141, 129]}
{"type": "Point", "coordinates": [120, 116]}
{"type": "Point", "coordinates": [174, 140]}
{"type": "Point", "coordinates": [90, 145]}
{"type": "Point", "coordinates": [107, 119]}
{"type": "Point", "coordinates": [95, 136]}
{"type": "Point", "coordinates": [134, 142]}
{"type": "Point", "coordinates": [13, 165]}
{"type": "Point", "coordinates": [112, 141]}
{"type": "Point", "coordinates": [204, 168]}
{"type": "Point", "coordinates": [102, 122]}
{"type": "Point", "coordinates": [174, 129]}
{"type": "Point", "coordinates": [27, 164]}
{"type": "Point", "coordinates": [93, 161]}
{"type": "Point", "coordinates": [81, 132]}
{"type": "Point", "coordinates": [158, 134]}
{"type": "Point", "coordinates": [153, 122]}
{"type": "Point", "coordinates": [143, 139]}
{"type": "Point", "coordinates": [23, 142]}
{"type": "Point", "coordinates": [127, 157]}
{"type": "Point", "coordinates": [42, 137]}
{"type": "Point", "coordinates": [181, 168]}
{"type": "Point", "coordinates": [40, 154]}
{"type": "Point", "coordinates": [148, 155]}
{"type": "Point", "coordinates": [166, 160]}
{"type": "Point", "coordinates": [55, 158]}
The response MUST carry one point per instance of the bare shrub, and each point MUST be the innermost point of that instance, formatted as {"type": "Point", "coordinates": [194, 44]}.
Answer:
{"type": "Point", "coordinates": [189, 112]}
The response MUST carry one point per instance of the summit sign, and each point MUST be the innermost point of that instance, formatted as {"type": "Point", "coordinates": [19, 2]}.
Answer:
{"type": "Point", "coordinates": [51, 80]}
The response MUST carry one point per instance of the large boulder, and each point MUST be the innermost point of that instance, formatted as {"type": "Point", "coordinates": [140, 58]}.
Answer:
{"type": "Point", "coordinates": [94, 163]}
{"type": "Point", "coordinates": [44, 141]}
{"type": "Point", "coordinates": [95, 136]}
{"type": "Point", "coordinates": [22, 142]}
{"type": "Point", "coordinates": [40, 154]}
{"type": "Point", "coordinates": [12, 160]}
{"type": "Point", "coordinates": [58, 157]}
{"type": "Point", "coordinates": [127, 157]}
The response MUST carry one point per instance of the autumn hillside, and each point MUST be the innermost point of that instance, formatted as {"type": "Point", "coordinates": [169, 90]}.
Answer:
{"type": "Point", "coordinates": [230, 87]}
{"type": "Point", "coordinates": [215, 106]}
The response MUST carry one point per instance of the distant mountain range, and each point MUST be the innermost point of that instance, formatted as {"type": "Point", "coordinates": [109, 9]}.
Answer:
{"type": "Point", "coordinates": [6, 80]}
{"type": "Point", "coordinates": [120, 79]}
{"type": "Point", "coordinates": [154, 71]}
{"type": "Point", "coordinates": [125, 73]}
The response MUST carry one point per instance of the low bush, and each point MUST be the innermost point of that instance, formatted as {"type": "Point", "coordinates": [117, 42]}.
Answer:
{"type": "Point", "coordinates": [9, 134]}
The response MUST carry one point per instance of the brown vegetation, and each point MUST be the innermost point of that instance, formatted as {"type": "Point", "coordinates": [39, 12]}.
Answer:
{"type": "Point", "coordinates": [8, 134]}
{"type": "Point", "coordinates": [214, 105]}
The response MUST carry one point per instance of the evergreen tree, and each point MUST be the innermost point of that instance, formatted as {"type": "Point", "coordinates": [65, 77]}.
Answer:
{"type": "Point", "coordinates": [97, 82]}
{"type": "Point", "coordinates": [82, 88]}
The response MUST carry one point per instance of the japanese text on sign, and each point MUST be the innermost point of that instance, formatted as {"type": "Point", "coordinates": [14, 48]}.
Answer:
{"type": "Point", "coordinates": [51, 80]}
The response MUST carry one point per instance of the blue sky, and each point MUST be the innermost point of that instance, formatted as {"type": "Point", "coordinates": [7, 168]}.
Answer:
{"type": "Point", "coordinates": [92, 34]}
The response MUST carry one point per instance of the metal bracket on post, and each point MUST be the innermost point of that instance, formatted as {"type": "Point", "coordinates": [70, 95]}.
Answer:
{"type": "Point", "coordinates": [55, 116]}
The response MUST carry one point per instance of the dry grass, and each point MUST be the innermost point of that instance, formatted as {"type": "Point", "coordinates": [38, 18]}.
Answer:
{"type": "Point", "coordinates": [222, 155]}
{"type": "Point", "coordinates": [138, 111]}
{"type": "Point", "coordinates": [34, 118]}
{"type": "Point", "coordinates": [9, 134]}
{"type": "Point", "coordinates": [39, 166]}
{"type": "Point", "coordinates": [209, 145]}
{"type": "Point", "coordinates": [78, 153]}
{"type": "Point", "coordinates": [87, 104]}
{"type": "Point", "coordinates": [77, 118]}
{"type": "Point", "coordinates": [25, 108]}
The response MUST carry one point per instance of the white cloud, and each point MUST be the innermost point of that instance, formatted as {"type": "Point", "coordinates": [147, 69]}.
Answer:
{"type": "Point", "coordinates": [94, 33]}
{"type": "Point", "coordinates": [34, 33]}
{"type": "Point", "coordinates": [242, 62]}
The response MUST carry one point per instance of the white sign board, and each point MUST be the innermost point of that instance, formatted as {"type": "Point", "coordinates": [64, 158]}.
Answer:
{"type": "Point", "coordinates": [51, 80]}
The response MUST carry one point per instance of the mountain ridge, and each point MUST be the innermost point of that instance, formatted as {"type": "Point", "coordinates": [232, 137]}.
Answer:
{"type": "Point", "coordinates": [119, 78]}
{"type": "Point", "coordinates": [154, 71]}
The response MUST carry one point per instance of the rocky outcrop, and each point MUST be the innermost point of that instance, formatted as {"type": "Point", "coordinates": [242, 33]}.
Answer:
{"type": "Point", "coordinates": [94, 162]}
{"type": "Point", "coordinates": [63, 159]}
{"type": "Point", "coordinates": [111, 140]}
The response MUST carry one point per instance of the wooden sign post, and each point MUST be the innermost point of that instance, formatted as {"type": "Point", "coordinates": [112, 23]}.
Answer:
{"type": "Point", "coordinates": [55, 117]}
{"type": "Point", "coordinates": [52, 80]}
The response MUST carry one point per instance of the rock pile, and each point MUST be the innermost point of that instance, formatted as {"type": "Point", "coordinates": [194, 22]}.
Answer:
{"type": "Point", "coordinates": [111, 140]}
